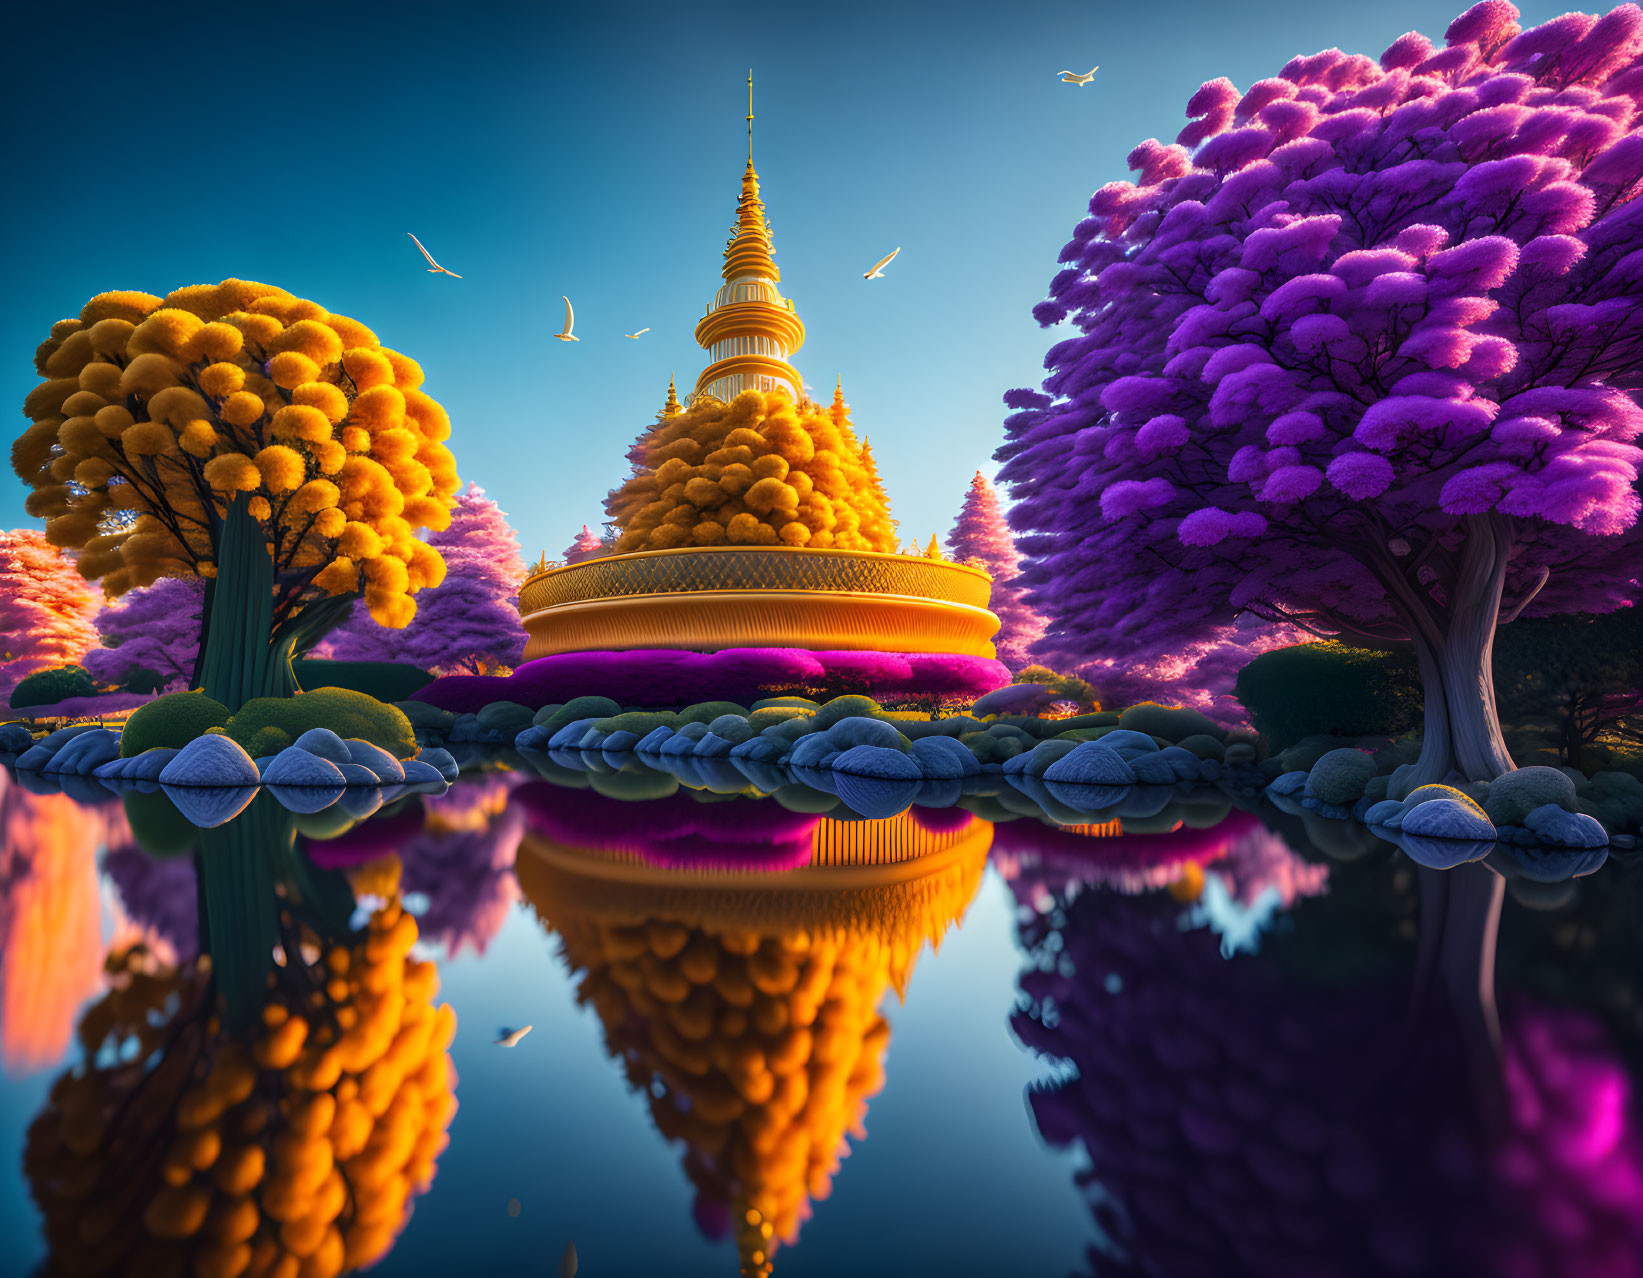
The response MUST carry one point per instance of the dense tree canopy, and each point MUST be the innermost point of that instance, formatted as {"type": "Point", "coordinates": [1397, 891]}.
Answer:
{"type": "Point", "coordinates": [982, 534]}
{"type": "Point", "coordinates": [46, 608]}
{"type": "Point", "coordinates": [759, 471]}
{"type": "Point", "coordinates": [155, 414]}
{"type": "Point", "coordinates": [152, 628]}
{"type": "Point", "coordinates": [1365, 360]}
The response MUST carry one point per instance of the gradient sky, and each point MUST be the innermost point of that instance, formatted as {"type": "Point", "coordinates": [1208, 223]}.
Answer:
{"type": "Point", "coordinates": [596, 151]}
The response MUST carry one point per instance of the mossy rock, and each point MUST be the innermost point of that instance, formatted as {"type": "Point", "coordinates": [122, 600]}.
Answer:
{"type": "Point", "coordinates": [1426, 793]}
{"type": "Point", "coordinates": [576, 708]}
{"type": "Point", "coordinates": [159, 829]}
{"type": "Point", "coordinates": [764, 716]}
{"type": "Point", "coordinates": [327, 823]}
{"type": "Point", "coordinates": [1340, 777]}
{"type": "Point", "coordinates": [787, 703]}
{"type": "Point", "coordinates": [544, 713]}
{"type": "Point", "coordinates": [848, 707]}
{"type": "Point", "coordinates": [708, 711]}
{"type": "Point", "coordinates": [1204, 746]}
{"type": "Point", "coordinates": [1514, 795]}
{"type": "Point", "coordinates": [642, 722]}
{"type": "Point", "coordinates": [426, 718]}
{"type": "Point", "coordinates": [506, 717]}
{"type": "Point", "coordinates": [266, 725]}
{"type": "Point", "coordinates": [172, 721]}
{"type": "Point", "coordinates": [1304, 753]}
{"type": "Point", "coordinates": [1170, 722]}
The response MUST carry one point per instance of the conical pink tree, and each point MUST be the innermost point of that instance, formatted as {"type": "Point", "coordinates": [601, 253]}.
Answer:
{"type": "Point", "coordinates": [46, 608]}
{"type": "Point", "coordinates": [585, 547]}
{"type": "Point", "coordinates": [468, 624]}
{"type": "Point", "coordinates": [982, 534]}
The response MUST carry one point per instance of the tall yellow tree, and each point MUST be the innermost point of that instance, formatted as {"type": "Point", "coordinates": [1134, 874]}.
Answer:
{"type": "Point", "coordinates": [250, 437]}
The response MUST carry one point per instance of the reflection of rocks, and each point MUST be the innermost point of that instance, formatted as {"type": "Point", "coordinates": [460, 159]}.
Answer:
{"type": "Point", "coordinates": [745, 1005]}
{"type": "Point", "coordinates": [1238, 1123]}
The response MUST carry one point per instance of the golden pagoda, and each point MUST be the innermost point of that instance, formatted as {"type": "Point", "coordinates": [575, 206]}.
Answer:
{"type": "Point", "coordinates": [739, 586]}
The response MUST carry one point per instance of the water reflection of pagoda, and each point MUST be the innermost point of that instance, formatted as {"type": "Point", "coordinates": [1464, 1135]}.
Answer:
{"type": "Point", "coordinates": [744, 1005]}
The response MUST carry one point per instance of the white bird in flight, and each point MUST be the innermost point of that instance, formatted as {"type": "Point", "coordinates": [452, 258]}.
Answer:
{"type": "Point", "coordinates": [512, 1037]}
{"type": "Point", "coordinates": [570, 318]}
{"type": "Point", "coordinates": [877, 273]}
{"type": "Point", "coordinates": [434, 268]}
{"type": "Point", "coordinates": [639, 334]}
{"type": "Point", "coordinates": [1072, 77]}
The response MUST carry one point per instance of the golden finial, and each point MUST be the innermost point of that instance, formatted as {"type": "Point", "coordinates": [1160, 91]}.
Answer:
{"type": "Point", "coordinates": [672, 407]}
{"type": "Point", "coordinates": [750, 115]}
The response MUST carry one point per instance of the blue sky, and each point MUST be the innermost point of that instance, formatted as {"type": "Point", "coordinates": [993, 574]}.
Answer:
{"type": "Point", "coordinates": [596, 151]}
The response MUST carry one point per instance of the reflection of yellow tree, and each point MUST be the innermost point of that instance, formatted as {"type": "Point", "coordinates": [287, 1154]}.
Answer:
{"type": "Point", "coordinates": [746, 1006]}
{"type": "Point", "coordinates": [50, 921]}
{"type": "Point", "coordinates": [178, 1150]}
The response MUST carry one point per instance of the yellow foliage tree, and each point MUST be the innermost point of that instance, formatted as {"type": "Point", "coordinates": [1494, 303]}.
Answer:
{"type": "Point", "coordinates": [161, 422]}
{"type": "Point", "coordinates": [758, 471]}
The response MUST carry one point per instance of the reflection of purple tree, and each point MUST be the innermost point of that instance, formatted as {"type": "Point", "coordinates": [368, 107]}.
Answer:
{"type": "Point", "coordinates": [1258, 861]}
{"type": "Point", "coordinates": [159, 894]}
{"type": "Point", "coordinates": [1238, 1125]}
{"type": "Point", "coordinates": [462, 860]}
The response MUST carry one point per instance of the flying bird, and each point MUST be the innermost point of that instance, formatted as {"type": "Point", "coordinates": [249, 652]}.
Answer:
{"type": "Point", "coordinates": [570, 318]}
{"type": "Point", "coordinates": [639, 334]}
{"type": "Point", "coordinates": [510, 1038]}
{"type": "Point", "coordinates": [877, 273]}
{"type": "Point", "coordinates": [1072, 77]}
{"type": "Point", "coordinates": [434, 268]}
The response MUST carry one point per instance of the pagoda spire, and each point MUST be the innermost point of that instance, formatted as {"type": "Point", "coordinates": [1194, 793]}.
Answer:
{"type": "Point", "coordinates": [750, 330]}
{"type": "Point", "coordinates": [839, 411]}
{"type": "Point", "coordinates": [672, 408]}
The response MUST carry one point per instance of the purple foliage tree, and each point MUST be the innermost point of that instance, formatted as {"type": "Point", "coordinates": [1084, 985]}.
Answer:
{"type": "Point", "coordinates": [586, 546]}
{"type": "Point", "coordinates": [1365, 362]}
{"type": "Point", "coordinates": [469, 623]}
{"type": "Point", "coordinates": [982, 533]}
{"type": "Point", "coordinates": [1199, 674]}
{"type": "Point", "coordinates": [154, 628]}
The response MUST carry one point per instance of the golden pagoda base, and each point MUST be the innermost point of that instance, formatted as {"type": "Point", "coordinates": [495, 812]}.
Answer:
{"type": "Point", "coordinates": [713, 597]}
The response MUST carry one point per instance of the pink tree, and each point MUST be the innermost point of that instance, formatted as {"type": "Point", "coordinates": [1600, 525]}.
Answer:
{"type": "Point", "coordinates": [153, 628]}
{"type": "Point", "coordinates": [585, 547]}
{"type": "Point", "coordinates": [982, 534]}
{"type": "Point", "coordinates": [469, 623]}
{"type": "Point", "coordinates": [46, 608]}
{"type": "Point", "coordinates": [1364, 362]}
{"type": "Point", "coordinates": [1200, 674]}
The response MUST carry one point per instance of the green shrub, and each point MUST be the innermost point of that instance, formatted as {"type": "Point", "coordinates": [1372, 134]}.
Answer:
{"type": "Point", "coordinates": [266, 725]}
{"type": "Point", "coordinates": [171, 721]}
{"type": "Point", "coordinates": [643, 722]}
{"type": "Point", "coordinates": [384, 680]}
{"type": "Point", "coordinates": [576, 708]}
{"type": "Point", "coordinates": [1330, 689]}
{"type": "Point", "coordinates": [48, 687]}
{"type": "Point", "coordinates": [1173, 723]}
{"type": "Point", "coordinates": [1514, 795]}
{"type": "Point", "coordinates": [1340, 776]}
{"type": "Point", "coordinates": [144, 680]}
{"type": "Point", "coordinates": [708, 711]}
{"type": "Point", "coordinates": [1065, 687]}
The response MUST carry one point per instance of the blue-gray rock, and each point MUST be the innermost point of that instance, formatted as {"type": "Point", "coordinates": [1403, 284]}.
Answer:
{"type": "Point", "coordinates": [592, 739]}
{"type": "Point", "coordinates": [693, 731]}
{"type": "Point", "coordinates": [713, 746]}
{"type": "Point", "coordinates": [306, 799]}
{"type": "Point", "coordinates": [15, 738]}
{"type": "Point", "coordinates": [652, 741]}
{"type": "Point", "coordinates": [810, 751]}
{"type": "Point", "coordinates": [732, 728]}
{"type": "Point", "coordinates": [619, 742]}
{"type": "Point", "coordinates": [324, 744]}
{"type": "Point", "coordinates": [1129, 745]}
{"type": "Point", "coordinates": [58, 739]}
{"type": "Point", "coordinates": [532, 738]}
{"type": "Point", "coordinates": [570, 735]}
{"type": "Point", "coordinates": [358, 776]}
{"type": "Point", "coordinates": [295, 766]}
{"type": "Point", "coordinates": [386, 767]}
{"type": "Point", "coordinates": [943, 758]}
{"type": "Point", "coordinates": [857, 731]}
{"type": "Point", "coordinates": [83, 754]}
{"type": "Point", "coordinates": [1091, 763]}
{"type": "Point", "coordinates": [760, 749]}
{"type": "Point", "coordinates": [1037, 761]}
{"type": "Point", "coordinates": [209, 805]}
{"type": "Point", "coordinates": [35, 758]}
{"type": "Point", "coordinates": [148, 765]}
{"type": "Point", "coordinates": [680, 743]}
{"type": "Point", "coordinates": [1447, 819]}
{"type": "Point", "coordinates": [876, 781]}
{"type": "Point", "coordinates": [441, 761]}
{"type": "Point", "coordinates": [212, 760]}
{"type": "Point", "coordinates": [1565, 829]}
{"type": "Point", "coordinates": [1187, 765]}
{"type": "Point", "coordinates": [1388, 812]}
{"type": "Point", "coordinates": [1154, 769]}
{"type": "Point", "coordinates": [1340, 776]}
{"type": "Point", "coordinates": [113, 770]}
{"type": "Point", "coordinates": [1015, 698]}
{"type": "Point", "coordinates": [1210, 770]}
{"type": "Point", "coordinates": [1289, 783]}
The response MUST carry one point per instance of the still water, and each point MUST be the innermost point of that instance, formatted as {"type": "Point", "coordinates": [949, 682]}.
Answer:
{"type": "Point", "coordinates": [1223, 1039]}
